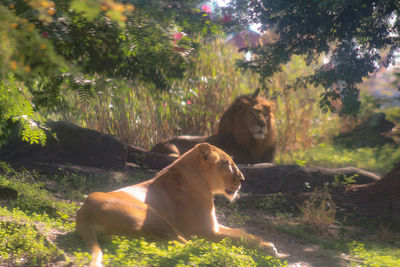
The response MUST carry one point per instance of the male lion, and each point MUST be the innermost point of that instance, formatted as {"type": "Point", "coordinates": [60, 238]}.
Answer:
{"type": "Point", "coordinates": [246, 131]}
{"type": "Point", "coordinates": [176, 204]}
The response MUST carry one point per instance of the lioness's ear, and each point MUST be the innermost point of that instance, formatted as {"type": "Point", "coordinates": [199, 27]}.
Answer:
{"type": "Point", "coordinates": [206, 152]}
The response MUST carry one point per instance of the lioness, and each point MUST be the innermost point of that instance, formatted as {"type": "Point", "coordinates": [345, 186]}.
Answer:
{"type": "Point", "coordinates": [246, 131]}
{"type": "Point", "coordinates": [176, 204]}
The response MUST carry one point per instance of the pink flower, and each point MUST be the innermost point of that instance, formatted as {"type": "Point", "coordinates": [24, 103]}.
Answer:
{"type": "Point", "coordinates": [189, 102]}
{"type": "Point", "coordinates": [45, 34]}
{"type": "Point", "coordinates": [206, 9]}
{"type": "Point", "coordinates": [178, 36]}
{"type": "Point", "coordinates": [226, 18]}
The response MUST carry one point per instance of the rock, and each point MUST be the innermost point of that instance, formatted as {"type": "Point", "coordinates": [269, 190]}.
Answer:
{"type": "Point", "coordinates": [80, 146]}
{"type": "Point", "coordinates": [148, 160]}
{"type": "Point", "coordinates": [378, 200]}
{"type": "Point", "coordinates": [269, 178]}
{"type": "Point", "coordinates": [69, 143]}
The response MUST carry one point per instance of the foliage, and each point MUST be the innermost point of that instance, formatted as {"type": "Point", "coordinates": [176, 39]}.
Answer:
{"type": "Point", "coordinates": [15, 107]}
{"type": "Point", "coordinates": [105, 38]}
{"type": "Point", "coordinates": [358, 38]}
{"type": "Point", "coordinates": [148, 41]}
{"type": "Point", "coordinates": [52, 46]}
{"type": "Point", "coordinates": [23, 50]}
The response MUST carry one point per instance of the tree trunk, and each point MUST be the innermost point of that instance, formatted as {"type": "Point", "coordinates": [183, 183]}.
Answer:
{"type": "Point", "coordinates": [379, 199]}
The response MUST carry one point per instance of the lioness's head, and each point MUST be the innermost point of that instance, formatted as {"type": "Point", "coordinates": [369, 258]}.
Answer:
{"type": "Point", "coordinates": [221, 172]}
{"type": "Point", "coordinates": [249, 116]}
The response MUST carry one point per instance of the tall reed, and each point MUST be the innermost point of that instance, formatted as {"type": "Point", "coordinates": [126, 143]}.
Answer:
{"type": "Point", "coordinates": [143, 116]}
{"type": "Point", "coordinates": [300, 121]}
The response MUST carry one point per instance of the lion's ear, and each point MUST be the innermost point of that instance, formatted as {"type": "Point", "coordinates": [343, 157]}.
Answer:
{"type": "Point", "coordinates": [206, 153]}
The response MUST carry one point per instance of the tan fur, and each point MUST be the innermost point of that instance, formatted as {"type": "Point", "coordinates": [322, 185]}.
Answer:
{"type": "Point", "coordinates": [176, 204]}
{"type": "Point", "coordinates": [237, 133]}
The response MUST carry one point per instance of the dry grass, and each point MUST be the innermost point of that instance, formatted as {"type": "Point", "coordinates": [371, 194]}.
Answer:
{"type": "Point", "coordinates": [319, 212]}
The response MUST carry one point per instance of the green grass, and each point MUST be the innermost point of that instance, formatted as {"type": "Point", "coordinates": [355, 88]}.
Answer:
{"type": "Point", "coordinates": [24, 239]}
{"type": "Point", "coordinates": [34, 199]}
{"type": "Point", "coordinates": [196, 252]}
{"type": "Point", "coordinates": [374, 256]}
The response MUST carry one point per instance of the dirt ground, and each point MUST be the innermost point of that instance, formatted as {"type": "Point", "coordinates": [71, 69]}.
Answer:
{"type": "Point", "coordinates": [297, 252]}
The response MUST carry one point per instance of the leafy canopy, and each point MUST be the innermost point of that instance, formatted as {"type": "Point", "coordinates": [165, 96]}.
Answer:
{"type": "Point", "coordinates": [357, 36]}
{"type": "Point", "coordinates": [55, 45]}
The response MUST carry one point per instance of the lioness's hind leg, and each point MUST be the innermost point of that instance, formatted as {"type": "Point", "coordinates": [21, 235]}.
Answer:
{"type": "Point", "coordinates": [89, 236]}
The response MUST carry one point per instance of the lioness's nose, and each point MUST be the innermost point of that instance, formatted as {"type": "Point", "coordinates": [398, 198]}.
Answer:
{"type": "Point", "coordinates": [261, 123]}
{"type": "Point", "coordinates": [237, 173]}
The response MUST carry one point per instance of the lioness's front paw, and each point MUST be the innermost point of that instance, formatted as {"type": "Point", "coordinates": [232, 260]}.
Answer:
{"type": "Point", "coordinates": [269, 248]}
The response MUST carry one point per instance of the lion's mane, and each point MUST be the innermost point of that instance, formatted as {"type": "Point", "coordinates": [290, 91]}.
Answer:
{"type": "Point", "coordinates": [234, 135]}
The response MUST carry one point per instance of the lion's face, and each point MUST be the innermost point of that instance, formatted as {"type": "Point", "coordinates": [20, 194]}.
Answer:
{"type": "Point", "coordinates": [249, 117]}
{"type": "Point", "coordinates": [223, 175]}
{"type": "Point", "coordinates": [258, 118]}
